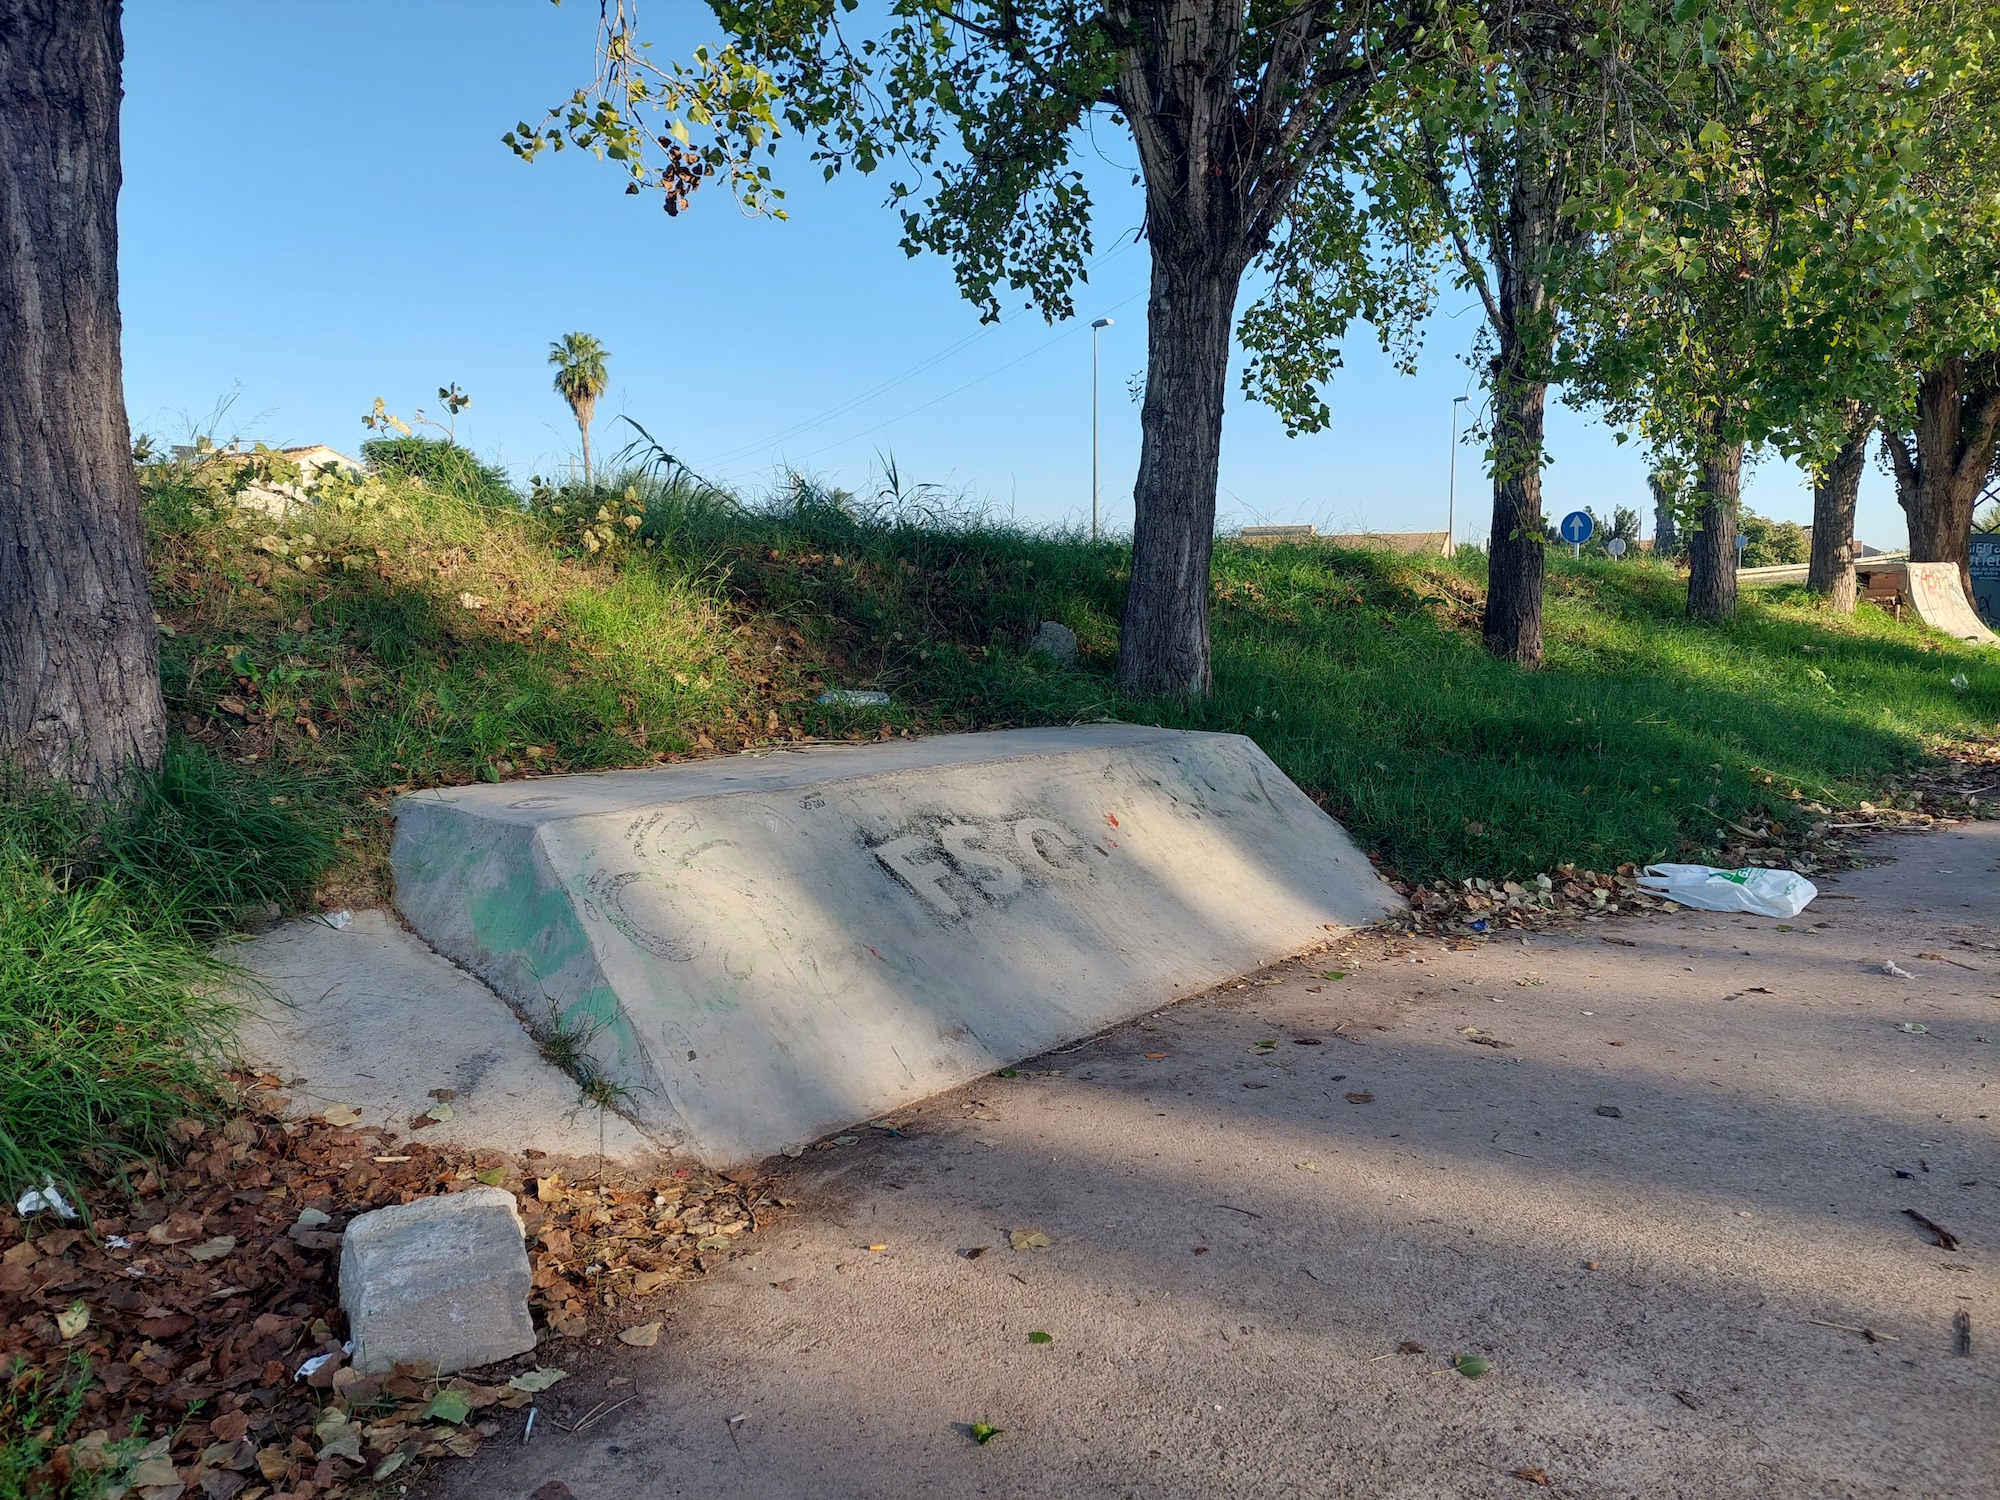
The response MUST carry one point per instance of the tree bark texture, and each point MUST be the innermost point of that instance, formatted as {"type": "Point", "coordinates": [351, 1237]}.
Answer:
{"type": "Point", "coordinates": [1834, 492]}
{"type": "Point", "coordinates": [1666, 530]}
{"type": "Point", "coordinates": [1940, 476]}
{"type": "Point", "coordinates": [1521, 246]}
{"type": "Point", "coordinates": [1516, 553]}
{"type": "Point", "coordinates": [1164, 638]}
{"type": "Point", "coordinates": [79, 651]}
{"type": "Point", "coordinates": [1712, 552]}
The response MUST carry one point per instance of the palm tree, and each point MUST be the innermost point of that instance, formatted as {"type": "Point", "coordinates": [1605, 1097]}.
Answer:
{"type": "Point", "coordinates": [580, 380]}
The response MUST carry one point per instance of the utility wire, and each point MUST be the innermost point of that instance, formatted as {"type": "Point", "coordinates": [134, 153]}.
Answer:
{"type": "Point", "coordinates": [797, 429]}
{"type": "Point", "coordinates": [1070, 332]}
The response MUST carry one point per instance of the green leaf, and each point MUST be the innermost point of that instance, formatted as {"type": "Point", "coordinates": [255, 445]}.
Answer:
{"type": "Point", "coordinates": [447, 1406]}
{"type": "Point", "coordinates": [1471, 1366]}
{"type": "Point", "coordinates": [985, 1432]}
{"type": "Point", "coordinates": [1038, 1337]}
{"type": "Point", "coordinates": [492, 1176]}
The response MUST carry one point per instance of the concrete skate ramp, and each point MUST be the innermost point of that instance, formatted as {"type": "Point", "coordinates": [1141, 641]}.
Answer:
{"type": "Point", "coordinates": [1938, 596]}
{"type": "Point", "coordinates": [764, 948]}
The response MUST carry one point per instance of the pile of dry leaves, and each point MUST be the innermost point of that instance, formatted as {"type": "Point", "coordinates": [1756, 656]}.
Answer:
{"type": "Point", "coordinates": [200, 1313]}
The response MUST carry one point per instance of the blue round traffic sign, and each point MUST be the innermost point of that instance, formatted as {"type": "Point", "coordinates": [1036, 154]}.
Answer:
{"type": "Point", "coordinates": [1577, 527]}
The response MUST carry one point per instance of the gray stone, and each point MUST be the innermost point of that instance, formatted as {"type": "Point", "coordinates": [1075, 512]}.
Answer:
{"type": "Point", "coordinates": [1056, 641]}
{"type": "Point", "coordinates": [763, 949]}
{"type": "Point", "coordinates": [443, 1279]}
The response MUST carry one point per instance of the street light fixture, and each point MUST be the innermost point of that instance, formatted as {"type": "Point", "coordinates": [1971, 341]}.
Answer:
{"type": "Point", "coordinates": [1451, 500]}
{"type": "Point", "coordinates": [1095, 328]}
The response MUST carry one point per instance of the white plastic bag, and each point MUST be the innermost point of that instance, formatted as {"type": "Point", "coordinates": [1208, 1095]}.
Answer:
{"type": "Point", "coordinates": [1768, 893]}
{"type": "Point", "coordinates": [46, 1197]}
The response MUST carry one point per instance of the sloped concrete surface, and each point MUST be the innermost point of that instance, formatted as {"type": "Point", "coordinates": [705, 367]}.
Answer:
{"type": "Point", "coordinates": [1669, 1297]}
{"type": "Point", "coordinates": [765, 948]}
{"type": "Point", "coordinates": [1938, 595]}
{"type": "Point", "coordinates": [370, 1016]}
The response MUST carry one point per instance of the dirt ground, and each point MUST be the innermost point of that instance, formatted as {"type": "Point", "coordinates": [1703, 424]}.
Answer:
{"type": "Point", "coordinates": [1664, 1211]}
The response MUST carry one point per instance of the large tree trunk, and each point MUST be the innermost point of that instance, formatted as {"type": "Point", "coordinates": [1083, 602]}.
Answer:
{"type": "Point", "coordinates": [1164, 638]}
{"type": "Point", "coordinates": [1712, 547]}
{"type": "Point", "coordinates": [79, 652]}
{"type": "Point", "coordinates": [1516, 549]}
{"type": "Point", "coordinates": [1520, 251]}
{"type": "Point", "coordinates": [1206, 217]}
{"type": "Point", "coordinates": [1958, 417]}
{"type": "Point", "coordinates": [1834, 493]}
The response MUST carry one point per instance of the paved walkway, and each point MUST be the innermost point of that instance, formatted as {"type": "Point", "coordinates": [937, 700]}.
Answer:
{"type": "Point", "coordinates": [1645, 1210]}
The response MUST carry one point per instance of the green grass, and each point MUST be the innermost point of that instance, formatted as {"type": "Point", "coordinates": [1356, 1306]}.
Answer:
{"type": "Point", "coordinates": [1363, 676]}
{"type": "Point", "coordinates": [35, 1420]}
{"type": "Point", "coordinates": [113, 1008]}
{"type": "Point", "coordinates": [428, 635]}
{"type": "Point", "coordinates": [417, 629]}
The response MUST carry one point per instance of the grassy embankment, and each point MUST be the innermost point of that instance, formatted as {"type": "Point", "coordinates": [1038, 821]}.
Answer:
{"type": "Point", "coordinates": [404, 633]}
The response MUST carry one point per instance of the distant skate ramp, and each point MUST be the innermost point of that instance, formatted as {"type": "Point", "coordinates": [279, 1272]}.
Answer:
{"type": "Point", "coordinates": [1937, 594]}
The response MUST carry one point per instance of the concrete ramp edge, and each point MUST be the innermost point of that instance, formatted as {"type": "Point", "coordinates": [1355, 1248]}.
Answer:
{"type": "Point", "coordinates": [759, 949]}
{"type": "Point", "coordinates": [1937, 593]}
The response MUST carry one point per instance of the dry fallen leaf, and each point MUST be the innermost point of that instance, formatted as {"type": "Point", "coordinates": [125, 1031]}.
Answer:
{"type": "Point", "coordinates": [213, 1249]}
{"type": "Point", "coordinates": [156, 1470]}
{"type": "Point", "coordinates": [1532, 1474]}
{"type": "Point", "coordinates": [72, 1320]}
{"type": "Point", "coordinates": [645, 1283]}
{"type": "Point", "coordinates": [549, 1189]}
{"type": "Point", "coordinates": [1360, 1098]}
{"type": "Point", "coordinates": [538, 1379]}
{"type": "Point", "coordinates": [341, 1114]}
{"type": "Point", "coordinates": [1029, 1239]}
{"type": "Point", "coordinates": [643, 1336]}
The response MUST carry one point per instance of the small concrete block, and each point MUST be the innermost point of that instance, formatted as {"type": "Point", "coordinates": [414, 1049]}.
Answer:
{"type": "Point", "coordinates": [443, 1279]}
{"type": "Point", "coordinates": [1054, 640]}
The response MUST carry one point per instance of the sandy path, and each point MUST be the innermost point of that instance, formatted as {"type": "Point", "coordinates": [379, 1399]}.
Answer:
{"type": "Point", "coordinates": [1239, 1250]}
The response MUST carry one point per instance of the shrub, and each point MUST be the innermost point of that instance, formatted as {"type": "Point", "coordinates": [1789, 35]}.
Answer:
{"type": "Point", "coordinates": [1768, 543]}
{"type": "Point", "coordinates": [442, 463]}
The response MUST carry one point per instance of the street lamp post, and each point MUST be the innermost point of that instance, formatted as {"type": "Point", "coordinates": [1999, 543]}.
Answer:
{"type": "Point", "coordinates": [1095, 328]}
{"type": "Point", "coordinates": [1451, 499]}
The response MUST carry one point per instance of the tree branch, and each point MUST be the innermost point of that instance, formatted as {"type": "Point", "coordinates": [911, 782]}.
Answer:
{"type": "Point", "coordinates": [1904, 465]}
{"type": "Point", "coordinates": [1475, 269]}
{"type": "Point", "coordinates": [1975, 454]}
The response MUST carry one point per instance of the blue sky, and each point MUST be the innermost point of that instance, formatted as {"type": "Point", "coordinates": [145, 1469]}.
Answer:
{"type": "Point", "coordinates": [318, 211]}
